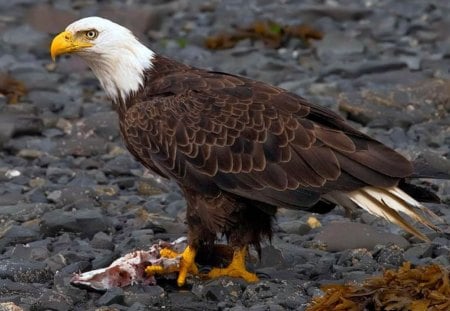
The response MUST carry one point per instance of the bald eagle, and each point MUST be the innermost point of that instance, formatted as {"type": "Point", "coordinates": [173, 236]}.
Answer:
{"type": "Point", "coordinates": [238, 148]}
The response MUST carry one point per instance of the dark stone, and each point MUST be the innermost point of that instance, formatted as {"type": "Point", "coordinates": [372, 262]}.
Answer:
{"type": "Point", "coordinates": [103, 258]}
{"type": "Point", "coordinates": [67, 196]}
{"type": "Point", "coordinates": [11, 198]}
{"type": "Point", "coordinates": [23, 211]}
{"type": "Point", "coordinates": [271, 257]}
{"type": "Point", "coordinates": [104, 124]}
{"type": "Point", "coordinates": [356, 69]}
{"type": "Point", "coordinates": [137, 306]}
{"type": "Point", "coordinates": [147, 295]}
{"type": "Point", "coordinates": [49, 101]}
{"type": "Point", "coordinates": [25, 271]}
{"type": "Point", "coordinates": [221, 289]}
{"type": "Point", "coordinates": [81, 147]}
{"type": "Point", "coordinates": [120, 165]}
{"type": "Point", "coordinates": [289, 295]}
{"type": "Point", "coordinates": [112, 295]}
{"type": "Point", "coordinates": [87, 222]}
{"type": "Point", "coordinates": [417, 252]}
{"type": "Point", "coordinates": [17, 234]}
{"type": "Point", "coordinates": [341, 236]}
{"type": "Point", "coordinates": [295, 227]}
{"type": "Point", "coordinates": [356, 259]}
{"type": "Point", "coordinates": [389, 256]}
{"type": "Point", "coordinates": [21, 124]}
{"type": "Point", "coordinates": [52, 300]}
{"type": "Point", "coordinates": [102, 240]}
{"type": "Point", "coordinates": [335, 46]}
{"type": "Point", "coordinates": [339, 13]}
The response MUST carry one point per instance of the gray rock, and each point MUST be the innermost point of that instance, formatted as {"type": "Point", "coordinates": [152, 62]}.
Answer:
{"type": "Point", "coordinates": [113, 295]}
{"type": "Point", "coordinates": [81, 147]}
{"type": "Point", "coordinates": [102, 240]}
{"type": "Point", "coordinates": [335, 46]}
{"type": "Point", "coordinates": [147, 295]}
{"type": "Point", "coordinates": [356, 69]}
{"type": "Point", "coordinates": [295, 227]}
{"type": "Point", "coordinates": [120, 165]}
{"type": "Point", "coordinates": [103, 258]}
{"type": "Point", "coordinates": [6, 132]}
{"type": "Point", "coordinates": [417, 252]}
{"type": "Point", "coordinates": [14, 234]}
{"type": "Point", "coordinates": [222, 289]}
{"type": "Point", "coordinates": [19, 290]}
{"type": "Point", "coordinates": [86, 222]}
{"type": "Point", "coordinates": [52, 300]}
{"type": "Point", "coordinates": [137, 306]}
{"type": "Point", "coordinates": [175, 207]}
{"type": "Point", "coordinates": [389, 256]}
{"type": "Point", "coordinates": [11, 198]}
{"type": "Point", "coordinates": [24, 37]}
{"type": "Point", "coordinates": [68, 196]}
{"type": "Point", "coordinates": [104, 124]}
{"type": "Point", "coordinates": [288, 295]}
{"type": "Point", "coordinates": [38, 79]}
{"type": "Point", "coordinates": [271, 257]}
{"type": "Point", "coordinates": [355, 259]}
{"type": "Point", "coordinates": [339, 13]}
{"type": "Point", "coordinates": [23, 211]}
{"type": "Point", "coordinates": [186, 300]}
{"type": "Point", "coordinates": [341, 236]}
{"type": "Point", "coordinates": [25, 271]}
{"type": "Point", "coordinates": [49, 101]}
{"type": "Point", "coordinates": [413, 62]}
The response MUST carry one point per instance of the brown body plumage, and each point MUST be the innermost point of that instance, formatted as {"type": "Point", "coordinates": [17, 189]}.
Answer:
{"type": "Point", "coordinates": [240, 148]}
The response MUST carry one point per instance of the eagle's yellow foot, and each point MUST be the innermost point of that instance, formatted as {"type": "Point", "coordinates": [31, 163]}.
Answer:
{"type": "Point", "coordinates": [236, 268]}
{"type": "Point", "coordinates": [187, 264]}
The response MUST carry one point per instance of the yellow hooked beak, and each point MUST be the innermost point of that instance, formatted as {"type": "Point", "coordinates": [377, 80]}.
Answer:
{"type": "Point", "coordinates": [66, 43]}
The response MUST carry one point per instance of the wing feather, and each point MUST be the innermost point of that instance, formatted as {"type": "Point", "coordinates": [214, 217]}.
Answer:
{"type": "Point", "coordinates": [218, 131]}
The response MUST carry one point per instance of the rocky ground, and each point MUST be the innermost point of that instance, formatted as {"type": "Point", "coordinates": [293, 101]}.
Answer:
{"type": "Point", "coordinates": [72, 199]}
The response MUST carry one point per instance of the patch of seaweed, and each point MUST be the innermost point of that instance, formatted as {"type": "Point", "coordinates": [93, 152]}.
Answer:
{"type": "Point", "coordinates": [271, 33]}
{"type": "Point", "coordinates": [11, 88]}
{"type": "Point", "coordinates": [417, 289]}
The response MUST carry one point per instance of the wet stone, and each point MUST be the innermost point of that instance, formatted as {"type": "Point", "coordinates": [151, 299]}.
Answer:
{"type": "Point", "coordinates": [17, 235]}
{"type": "Point", "coordinates": [71, 195]}
{"type": "Point", "coordinates": [25, 271]}
{"type": "Point", "coordinates": [147, 295]}
{"type": "Point", "coordinates": [103, 258]}
{"type": "Point", "coordinates": [288, 295]}
{"type": "Point", "coordinates": [295, 227]}
{"type": "Point", "coordinates": [113, 295]}
{"type": "Point", "coordinates": [102, 240]}
{"type": "Point", "coordinates": [389, 256]}
{"type": "Point", "coordinates": [340, 236]}
{"type": "Point", "coordinates": [52, 300]}
{"type": "Point", "coordinates": [417, 252]}
{"type": "Point", "coordinates": [337, 45]}
{"type": "Point", "coordinates": [104, 124]}
{"type": "Point", "coordinates": [87, 222]}
{"type": "Point", "coordinates": [120, 165]}
{"type": "Point", "coordinates": [356, 259]}
{"type": "Point", "coordinates": [223, 289]}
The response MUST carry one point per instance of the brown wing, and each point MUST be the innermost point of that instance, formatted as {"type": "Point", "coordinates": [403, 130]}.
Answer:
{"type": "Point", "coordinates": [218, 132]}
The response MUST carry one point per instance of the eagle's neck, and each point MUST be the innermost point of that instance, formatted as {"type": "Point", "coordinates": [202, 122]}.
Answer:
{"type": "Point", "coordinates": [121, 71]}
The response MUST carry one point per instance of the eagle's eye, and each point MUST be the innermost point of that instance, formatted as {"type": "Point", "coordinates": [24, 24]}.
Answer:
{"type": "Point", "coordinates": [91, 34]}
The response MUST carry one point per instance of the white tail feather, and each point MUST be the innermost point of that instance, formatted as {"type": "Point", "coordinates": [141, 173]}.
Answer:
{"type": "Point", "coordinates": [386, 203]}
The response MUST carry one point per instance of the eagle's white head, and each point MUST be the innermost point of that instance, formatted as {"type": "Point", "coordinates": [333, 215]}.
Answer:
{"type": "Point", "coordinates": [113, 53]}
